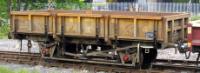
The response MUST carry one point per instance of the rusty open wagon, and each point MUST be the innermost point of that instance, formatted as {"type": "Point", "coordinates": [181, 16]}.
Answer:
{"type": "Point", "coordinates": [104, 37]}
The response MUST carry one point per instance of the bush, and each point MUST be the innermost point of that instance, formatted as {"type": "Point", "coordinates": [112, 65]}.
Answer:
{"type": "Point", "coordinates": [4, 30]}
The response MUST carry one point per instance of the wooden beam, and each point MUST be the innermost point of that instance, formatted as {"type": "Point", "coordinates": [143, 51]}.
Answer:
{"type": "Point", "coordinates": [30, 23]}
{"type": "Point", "coordinates": [182, 28]}
{"type": "Point", "coordinates": [165, 26]}
{"type": "Point", "coordinates": [172, 32]}
{"type": "Point", "coordinates": [135, 27]}
{"type": "Point", "coordinates": [106, 31]}
{"type": "Point", "coordinates": [136, 16]}
{"type": "Point", "coordinates": [79, 25]}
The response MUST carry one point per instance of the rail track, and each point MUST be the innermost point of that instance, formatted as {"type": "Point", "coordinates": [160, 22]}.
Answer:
{"type": "Point", "coordinates": [176, 65]}
{"type": "Point", "coordinates": [35, 59]}
{"type": "Point", "coordinates": [20, 57]}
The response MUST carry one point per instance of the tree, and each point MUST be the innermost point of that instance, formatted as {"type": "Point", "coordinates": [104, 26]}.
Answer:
{"type": "Point", "coordinates": [3, 9]}
{"type": "Point", "coordinates": [181, 1]}
{"type": "Point", "coordinates": [186, 1]}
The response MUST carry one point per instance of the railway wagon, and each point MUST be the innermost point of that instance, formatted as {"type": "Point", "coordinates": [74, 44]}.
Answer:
{"type": "Point", "coordinates": [193, 36]}
{"type": "Point", "coordinates": [102, 37]}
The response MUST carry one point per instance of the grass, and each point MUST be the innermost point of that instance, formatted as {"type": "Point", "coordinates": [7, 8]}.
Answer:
{"type": "Point", "coordinates": [193, 18]}
{"type": "Point", "coordinates": [4, 30]}
{"type": "Point", "coordinates": [5, 70]}
{"type": "Point", "coordinates": [23, 70]}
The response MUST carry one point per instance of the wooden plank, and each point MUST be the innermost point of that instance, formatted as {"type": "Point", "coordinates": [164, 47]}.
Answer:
{"type": "Point", "coordinates": [165, 34]}
{"type": "Point", "coordinates": [88, 26]}
{"type": "Point", "coordinates": [106, 31]}
{"type": "Point", "coordinates": [71, 25]}
{"type": "Point", "coordinates": [54, 22]}
{"type": "Point", "coordinates": [172, 32]}
{"type": "Point", "coordinates": [38, 23]}
{"type": "Point", "coordinates": [34, 33]}
{"type": "Point", "coordinates": [81, 15]}
{"type": "Point", "coordinates": [79, 25]}
{"type": "Point", "coordinates": [178, 28]}
{"type": "Point", "coordinates": [138, 17]}
{"type": "Point", "coordinates": [30, 23]}
{"type": "Point", "coordinates": [179, 16]}
{"type": "Point", "coordinates": [160, 29]}
{"type": "Point", "coordinates": [144, 26]}
{"type": "Point", "coordinates": [125, 27]}
{"type": "Point", "coordinates": [135, 27]}
{"type": "Point", "coordinates": [138, 23]}
{"type": "Point", "coordinates": [182, 28]}
{"type": "Point", "coordinates": [29, 12]}
{"type": "Point", "coordinates": [22, 23]}
{"type": "Point", "coordinates": [132, 38]}
{"type": "Point", "coordinates": [13, 23]}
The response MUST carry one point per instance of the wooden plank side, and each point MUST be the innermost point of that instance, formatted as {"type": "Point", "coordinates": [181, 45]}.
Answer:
{"type": "Point", "coordinates": [38, 24]}
{"type": "Point", "coordinates": [182, 29]}
{"type": "Point", "coordinates": [106, 28]}
{"type": "Point", "coordinates": [80, 26]}
{"type": "Point", "coordinates": [130, 26]}
{"type": "Point", "coordinates": [126, 27]}
{"type": "Point", "coordinates": [50, 18]}
{"type": "Point", "coordinates": [135, 27]}
{"type": "Point", "coordinates": [160, 30]}
{"type": "Point", "coordinates": [88, 26]}
{"type": "Point", "coordinates": [111, 27]}
{"type": "Point", "coordinates": [21, 23]}
{"type": "Point", "coordinates": [144, 26]}
{"type": "Point", "coordinates": [13, 23]}
{"type": "Point", "coordinates": [102, 27]}
{"type": "Point", "coordinates": [41, 13]}
{"type": "Point", "coordinates": [172, 32]}
{"type": "Point", "coordinates": [165, 31]}
{"type": "Point", "coordinates": [71, 25]}
{"type": "Point", "coordinates": [177, 16]}
{"type": "Point", "coordinates": [58, 25]}
{"type": "Point", "coordinates": [31, 23]}
{"type": "Point", "coordinates": [136, 16]}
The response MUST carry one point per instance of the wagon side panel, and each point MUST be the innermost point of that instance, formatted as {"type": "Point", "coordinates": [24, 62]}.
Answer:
{"type": "Point", "coordinates": [32, 24]}
{"type": "Point", "coordinates": [80, 26]}
{"type": "Point", "coordinates": [21, 23]}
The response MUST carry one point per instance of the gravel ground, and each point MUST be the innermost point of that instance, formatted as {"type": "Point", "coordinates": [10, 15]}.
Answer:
{"type": "Point", "coordinates": [14, 46]}
{"type": "Point", "coordinates": [169, 53]}
{"type": "Point", "coordinates": [41, 69]}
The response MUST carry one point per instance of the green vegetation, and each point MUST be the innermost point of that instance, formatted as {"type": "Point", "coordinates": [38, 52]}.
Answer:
{"type": "Point", "coordinates": [181, 1]}
{"type": "Point", "coordinates": [3, 10]}
{"type": "Point", "coordinates": [8, 70]}
{"type": "Point", "coordinates": [4, 30]}
{"type": "Point", "coordinates": [186, 1]}
{"type": "Point", "coordinates": [5, 70]}
{"type": "Point", "coordinates": [4, 27]}
{"type": "Point", "coordinates": [195, 18]}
